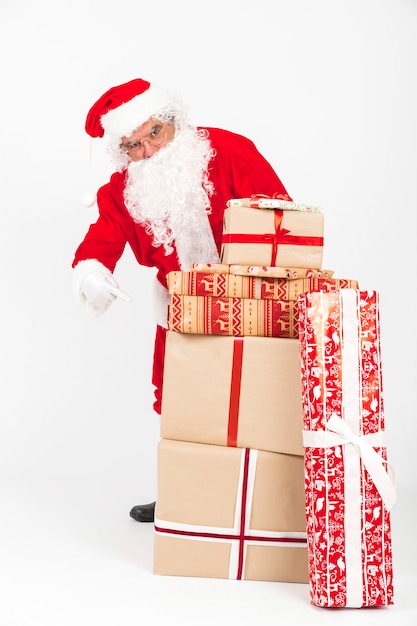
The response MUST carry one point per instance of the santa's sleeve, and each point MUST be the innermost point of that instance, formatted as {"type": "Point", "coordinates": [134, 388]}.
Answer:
{"type": "Point", "coordinates": [103, 244]}
{"type": "Point", "coordinates": [253, 174]}
{"type": "Point", "coordinates": [106, 238]}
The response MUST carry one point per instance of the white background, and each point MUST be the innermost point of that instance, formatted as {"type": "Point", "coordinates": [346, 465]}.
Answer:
{"type": "Point", "coordinates": [327, 91]}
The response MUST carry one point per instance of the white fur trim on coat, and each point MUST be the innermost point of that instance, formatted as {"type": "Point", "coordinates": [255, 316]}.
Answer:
{"type": "Point", "coordinates": [161, 300]}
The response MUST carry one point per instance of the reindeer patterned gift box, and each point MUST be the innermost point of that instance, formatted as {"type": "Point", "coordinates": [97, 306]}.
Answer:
{"type": "Point", "coordinates": [229, 513]}
{"type": "Point", "coordinates": [226, 303]}
{"type": "Point", "coordinates": [268, 271]}
{"type": "Point", "coordinates": [232, 316]}
{"type": "Point", "coordinates": [348, 490]}
{"type": "Point", "coordinates": [232, 281]}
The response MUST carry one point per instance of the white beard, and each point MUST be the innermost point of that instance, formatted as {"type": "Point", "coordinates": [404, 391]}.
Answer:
{"type": "Point", "coordinates": [169, 194]}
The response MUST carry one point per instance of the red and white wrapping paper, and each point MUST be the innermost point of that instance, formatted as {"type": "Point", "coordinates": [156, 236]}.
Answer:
{"type": "Point", "coordinates": [348, 489]}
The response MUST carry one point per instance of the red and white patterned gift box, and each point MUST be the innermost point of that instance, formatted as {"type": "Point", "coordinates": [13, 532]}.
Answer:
{"type": "Point", "coordinates": [348, 489]}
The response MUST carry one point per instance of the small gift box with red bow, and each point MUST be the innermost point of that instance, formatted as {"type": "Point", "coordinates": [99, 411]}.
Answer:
{"type": "Point", "coordinates": [272, 236]}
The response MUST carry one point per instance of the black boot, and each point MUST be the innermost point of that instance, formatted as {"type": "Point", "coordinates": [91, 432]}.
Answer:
{"type": "Point", "coordinates": [143, 512]}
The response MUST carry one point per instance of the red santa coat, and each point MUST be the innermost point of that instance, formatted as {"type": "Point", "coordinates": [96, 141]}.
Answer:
{"type": "Point", "coordinates": [238, 170]}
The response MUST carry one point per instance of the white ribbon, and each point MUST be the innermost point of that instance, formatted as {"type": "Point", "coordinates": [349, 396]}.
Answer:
{"type": "Point", "coordinates": [338, 433]}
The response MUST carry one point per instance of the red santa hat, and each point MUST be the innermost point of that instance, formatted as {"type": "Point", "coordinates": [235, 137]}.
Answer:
{"type": "Point", "coordinates": [124, 108]}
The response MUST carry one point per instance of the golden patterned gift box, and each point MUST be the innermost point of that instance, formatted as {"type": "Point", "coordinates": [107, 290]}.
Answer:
{"type": "Point", "coordinates": [207, 315]}
{"type": "Point", "coordinates": [231, 285]}
{"type": "Point", "coordinates": [272, 237]}
{"type": "Point", "coordinates": [229, 513]}
{"type": "Point", "coordinates": [261, 270]}
{"type": "Point", "coordinates": [233, 391]}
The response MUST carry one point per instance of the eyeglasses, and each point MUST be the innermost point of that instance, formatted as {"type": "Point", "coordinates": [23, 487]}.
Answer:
{"type": "Point", "coordinates": [155, 137]}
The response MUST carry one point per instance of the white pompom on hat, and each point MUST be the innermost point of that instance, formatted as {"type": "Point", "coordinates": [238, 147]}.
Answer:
{"type": "Point", "coordinates": [89, 199]}
{"type": "Point", "coordinates": [122, 109]}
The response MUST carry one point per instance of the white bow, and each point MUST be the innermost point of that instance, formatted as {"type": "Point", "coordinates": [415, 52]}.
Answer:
{"type": "Point", "coordinates": [339, 433]}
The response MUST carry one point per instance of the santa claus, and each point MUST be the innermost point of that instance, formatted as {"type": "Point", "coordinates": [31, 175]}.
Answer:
{"type": "Point", "coordinates": [166, 199]}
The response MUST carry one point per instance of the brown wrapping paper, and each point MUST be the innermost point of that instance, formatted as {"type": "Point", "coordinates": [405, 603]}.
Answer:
{"type": "Point", "coordinates": [243, 223]}
{"type": "Point", "coordinates": [202, 402]}
{"type": "Point", "coordinates": [229, 513]}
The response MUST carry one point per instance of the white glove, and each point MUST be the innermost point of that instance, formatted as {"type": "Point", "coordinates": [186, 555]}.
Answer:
{"type": "Point", "coordinates": [100, 290]}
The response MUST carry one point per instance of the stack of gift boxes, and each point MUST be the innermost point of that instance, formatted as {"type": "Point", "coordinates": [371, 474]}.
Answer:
{"type": "Point", "coordinates": [233, 482]}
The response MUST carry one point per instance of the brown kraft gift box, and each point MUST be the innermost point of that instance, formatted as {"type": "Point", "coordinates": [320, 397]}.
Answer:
{"type": "Point", "coordinates": [229, 513]}
{"type": "Point", "coordinates": [233, 391]}
{"type": "Point", "coordinates": [272, 237]}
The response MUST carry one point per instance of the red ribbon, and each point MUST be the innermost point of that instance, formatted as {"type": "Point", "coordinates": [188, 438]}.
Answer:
{"type": "Point", "coordinates": [280, 236]}
{"type": "Point", "coordinates": [243, 516]}
{"type": "Point", "coordinates": [230, 536]}
{"type": "Point", "coordinates": [235, 384]}
{"type": "Point", "coordinates": [240, 535]}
